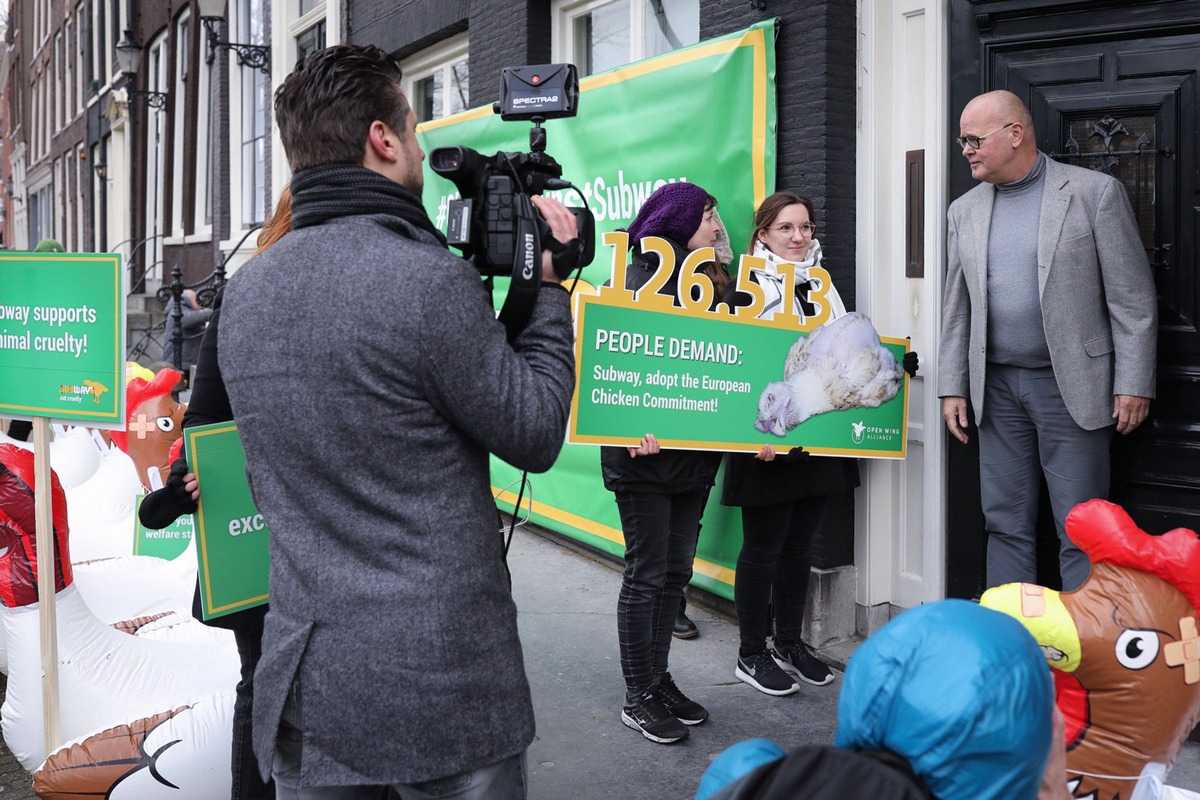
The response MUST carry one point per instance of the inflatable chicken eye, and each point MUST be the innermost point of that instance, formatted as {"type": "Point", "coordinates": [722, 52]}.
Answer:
{"type": "Point", "coordinates": [165, 424]}
{"type": "Point", "coordinates": [1137, 649]}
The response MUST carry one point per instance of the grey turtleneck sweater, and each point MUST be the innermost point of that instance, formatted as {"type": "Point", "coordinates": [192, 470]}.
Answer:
{"type": "Point", "coordinates": [1015, 334]}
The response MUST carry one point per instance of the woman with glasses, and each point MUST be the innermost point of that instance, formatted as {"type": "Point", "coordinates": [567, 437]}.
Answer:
{"type": "Point", "coordinates": [782, 496]}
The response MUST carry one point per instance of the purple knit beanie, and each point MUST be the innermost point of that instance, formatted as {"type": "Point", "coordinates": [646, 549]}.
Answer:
{"type": "Point", "coordinates": [674, 212]}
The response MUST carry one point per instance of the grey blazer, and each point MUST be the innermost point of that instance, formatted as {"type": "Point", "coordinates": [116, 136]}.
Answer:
{"type": "Point", "coordinates": [1099, 305]}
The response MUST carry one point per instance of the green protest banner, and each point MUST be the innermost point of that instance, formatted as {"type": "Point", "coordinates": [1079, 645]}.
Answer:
{"type": "Point", "coordinates": [704, 114]}
{"type": "Point", "coordinates": [231, 537]}
{"type": "Point", "coordinates": [62, 337]}
{"type": "Point", "coordinates": [713, 380]}
{"type": "Point", "coordinates": [167, 543]}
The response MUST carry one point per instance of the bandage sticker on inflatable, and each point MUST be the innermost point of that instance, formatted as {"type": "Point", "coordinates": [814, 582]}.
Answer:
{"type": "Point", "coordinates": [1124, 648]}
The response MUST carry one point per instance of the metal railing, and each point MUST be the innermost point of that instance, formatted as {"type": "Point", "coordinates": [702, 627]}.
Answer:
{"type": "Point", "coordinates": [206, 294]}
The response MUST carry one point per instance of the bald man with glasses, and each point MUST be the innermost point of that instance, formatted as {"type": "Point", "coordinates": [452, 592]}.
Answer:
{"type": "Point", "coordinates": [1050, 320]}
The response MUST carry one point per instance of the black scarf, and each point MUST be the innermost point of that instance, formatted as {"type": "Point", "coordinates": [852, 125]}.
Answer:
{"type": "Point", "coordinates": [329, 191]}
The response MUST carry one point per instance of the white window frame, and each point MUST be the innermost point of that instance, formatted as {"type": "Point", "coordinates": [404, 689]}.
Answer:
{"type": "Point", "coordinates": [181, 129]}
{"type": "Point", "coordinates": [102, 66]}
{"type": "Point", "coordinates": [441, 57]}
{"type": "Point", "coordinates": [68, 75]}
{"type": "Point", "coordinates": [563, 14]}
{"type": "Point", "coordinates": [81, 166]}
{"type": "Point", "coordinates": [81, 51]}
{"type": "Point", "coordinates": [156, 154]}
{"type": "Point", "coordinates": [41, 194]}
{"type": "Point", "coordinates": [59, 84]}
{"type": "Point", "coordinates": [302, 25]}
{"type": "Point", "coordinates": [240, 78]}
{"type": "Point", "coordinates": [58, 204]}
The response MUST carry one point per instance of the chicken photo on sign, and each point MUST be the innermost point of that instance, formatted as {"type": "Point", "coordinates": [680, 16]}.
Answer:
{"type": "Point", "coordinates": [841, 364]}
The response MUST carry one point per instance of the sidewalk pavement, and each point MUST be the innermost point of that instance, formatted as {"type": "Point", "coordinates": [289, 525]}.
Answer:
{"type": "Point", "coordinates": [567, 599]}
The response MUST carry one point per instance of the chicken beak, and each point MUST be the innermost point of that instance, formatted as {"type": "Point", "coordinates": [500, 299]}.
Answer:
{"type": "Point", "coordinates": [1044, 615]}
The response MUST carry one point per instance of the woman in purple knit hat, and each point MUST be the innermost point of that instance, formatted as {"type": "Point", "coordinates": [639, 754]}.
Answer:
{"type": "Point", "coordinates": [660, 494]}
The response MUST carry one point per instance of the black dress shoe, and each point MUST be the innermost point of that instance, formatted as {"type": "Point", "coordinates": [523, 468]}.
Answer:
{"type": "Point", "coordinates": [684, 627]}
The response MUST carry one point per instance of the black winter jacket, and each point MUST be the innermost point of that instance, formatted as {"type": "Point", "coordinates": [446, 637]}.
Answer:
{"type": "Point", "coordinates": [669, 471]}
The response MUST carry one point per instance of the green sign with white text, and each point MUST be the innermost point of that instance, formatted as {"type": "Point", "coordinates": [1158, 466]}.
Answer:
{"type": "Point", "coordinates": [231, 537]}
{"type": "Point", "coordinates": [167, 543]}
{"type": "Point", "coordinates": [62, 337]}
{"type": "Point", "coordinates": [718, 380]}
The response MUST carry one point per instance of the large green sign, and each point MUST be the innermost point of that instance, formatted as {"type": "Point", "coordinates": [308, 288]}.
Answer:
{"type": "Point", "coordinates": [714, 380]}
{"type": "Point", "coordinates": [169, 542]}
{"type": "Point", "coordinates": [231, 537]}
{"type": "Point", "coordinates": [62, 337]}
{"type": "Point", "coordinates": [704, 114]}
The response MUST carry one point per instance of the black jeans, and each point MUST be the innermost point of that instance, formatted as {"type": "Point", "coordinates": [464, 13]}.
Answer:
{"type": "Point", "coordinates": [773, 568]}
{"type": "Point", "coordinates": [247, 783]}
{"type": "Point", "coordinates": [660, 546]}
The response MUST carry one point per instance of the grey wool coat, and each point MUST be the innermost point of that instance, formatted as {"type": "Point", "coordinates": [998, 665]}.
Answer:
{"type": "Point", "coordinates": [370, 379]}
{"type": "Point", "coordinates": [1099, 305]}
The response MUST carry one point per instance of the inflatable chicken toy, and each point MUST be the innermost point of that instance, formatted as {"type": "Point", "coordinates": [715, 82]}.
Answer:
{"type": "Point", "coordinates": [1124, 648]}
{"type": "Point", "coordinates": [154, 421]}
{"type": "Point", "coordinates": [142, 718]}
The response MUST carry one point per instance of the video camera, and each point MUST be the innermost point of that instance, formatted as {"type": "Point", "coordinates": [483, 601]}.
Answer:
{"type": "Point", "coordinates": [494, 223]}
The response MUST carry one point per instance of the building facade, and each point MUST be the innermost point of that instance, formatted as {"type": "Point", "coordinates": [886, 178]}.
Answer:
{"type": "Point", "coordinates": [127, 125]}
{"type": "Point", "coordinates": [868, 96]}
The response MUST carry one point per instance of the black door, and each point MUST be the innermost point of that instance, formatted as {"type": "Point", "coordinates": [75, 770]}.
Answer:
{"type": "Point", "coordinates": [1117, 89]}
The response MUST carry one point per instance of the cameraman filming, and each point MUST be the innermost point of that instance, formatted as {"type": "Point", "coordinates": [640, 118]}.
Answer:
{"type": "Point", "coordinates": [370, 380]}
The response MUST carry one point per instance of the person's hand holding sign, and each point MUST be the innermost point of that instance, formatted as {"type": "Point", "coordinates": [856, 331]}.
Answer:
{"type": "Point", "coordinates": [648, 447]}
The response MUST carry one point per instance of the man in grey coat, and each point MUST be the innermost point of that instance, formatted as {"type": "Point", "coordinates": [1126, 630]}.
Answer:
{"type": "Point", "coordinates": [1050, 323]}
{"type": "Point", "coordinates": [370, 380]}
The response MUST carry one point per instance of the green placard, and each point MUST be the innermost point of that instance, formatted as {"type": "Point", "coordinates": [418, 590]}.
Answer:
{"type": "Point", "coordinates": [167, 543]}
{"type": "Point", "coordinates": [62, 337]}
{"type": "Point", "coordinates": [231, 537]}
{"type": "Point", "coordinates": [700, 379]}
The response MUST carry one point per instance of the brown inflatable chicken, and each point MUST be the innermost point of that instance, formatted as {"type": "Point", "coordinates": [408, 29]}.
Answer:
{"type": "Point", "coordinates": [1124, 648]}
{"type": "Point", "coordinates": [154, 420]}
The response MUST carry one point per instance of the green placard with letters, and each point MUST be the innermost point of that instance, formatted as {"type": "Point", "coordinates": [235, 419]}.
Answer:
{"type": "Point", "coordinates": [62, 337]}
{"type": "Point", "coordinates": [231, 537]}
{"type": "Point", "coordinates": [718, 380]}
{"type": "Point", "coordinates": [167, 543]}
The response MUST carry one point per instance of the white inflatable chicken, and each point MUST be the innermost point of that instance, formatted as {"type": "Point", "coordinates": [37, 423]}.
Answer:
{"type": "Point", "coordinates": [108, 679]}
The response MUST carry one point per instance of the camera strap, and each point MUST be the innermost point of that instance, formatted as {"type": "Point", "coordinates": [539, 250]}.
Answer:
{"type": "Point", "coordinates": [527, 268]}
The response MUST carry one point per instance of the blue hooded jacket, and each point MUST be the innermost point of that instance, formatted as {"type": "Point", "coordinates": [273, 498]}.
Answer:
{"type": "Point", "coordinates": [962, 692]}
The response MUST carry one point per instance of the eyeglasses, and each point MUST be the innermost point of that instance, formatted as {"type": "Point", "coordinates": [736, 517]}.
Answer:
{"type": "Point", "coordinates": [974, 141]}
{"type": "Point", "coordinates": [787, 229]}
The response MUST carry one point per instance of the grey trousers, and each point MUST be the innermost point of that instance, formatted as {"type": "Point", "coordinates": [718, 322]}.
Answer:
{"type": "Point", "coordinates": [1026, 431]}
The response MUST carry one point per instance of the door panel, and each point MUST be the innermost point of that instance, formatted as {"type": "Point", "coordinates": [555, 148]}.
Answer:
{"type": "Point", "coordinates": [1121, 107]}
{"type": "Point", "coordinates": [1116, 89]}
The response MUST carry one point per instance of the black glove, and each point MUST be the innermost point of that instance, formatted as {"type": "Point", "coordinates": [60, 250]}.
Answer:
{"type": "Point", "coordinates": [796, 454]}
{"type": "Point", "coordinates": [911, 363]}
{"type": "Point", "coordinates": [163, 506]}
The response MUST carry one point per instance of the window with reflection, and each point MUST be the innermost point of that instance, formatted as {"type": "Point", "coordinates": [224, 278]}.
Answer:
{"type": "Point", "coordinates": [597, 35]}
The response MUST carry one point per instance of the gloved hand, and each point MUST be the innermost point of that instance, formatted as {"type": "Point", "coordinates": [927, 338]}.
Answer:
{"type": "Point", "coordinates": [796, 454]}
{"type": "Point", "coordinates": [911, 363]}
{"type": "Point", "coordinates": [163, 506]}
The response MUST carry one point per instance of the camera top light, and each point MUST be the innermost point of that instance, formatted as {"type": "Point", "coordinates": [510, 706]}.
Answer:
{"type": "Point", "coordinates": [541, 91]}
